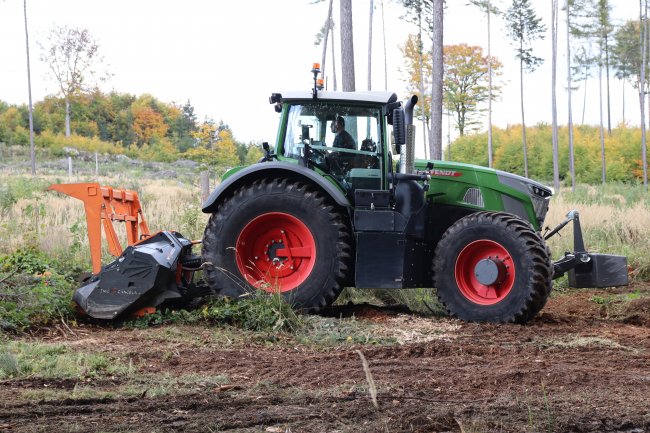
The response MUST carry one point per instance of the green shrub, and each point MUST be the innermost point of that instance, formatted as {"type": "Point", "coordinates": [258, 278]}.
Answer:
{"type": "Point", "coordinates": [258, 312]}
{"type": "Point", "coordinates": [35, 290]}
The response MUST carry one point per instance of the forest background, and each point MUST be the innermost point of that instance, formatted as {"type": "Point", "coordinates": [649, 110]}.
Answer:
{"type": "Point", "coordinates": [606, 50]}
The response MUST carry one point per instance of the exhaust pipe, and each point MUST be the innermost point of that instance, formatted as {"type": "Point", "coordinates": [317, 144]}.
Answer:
{"type": "Point", "coordinates": [407, 150]}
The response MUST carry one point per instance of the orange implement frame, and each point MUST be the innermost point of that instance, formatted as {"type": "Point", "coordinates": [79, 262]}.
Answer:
{"type": "Point", "coordinates": [104, 205]}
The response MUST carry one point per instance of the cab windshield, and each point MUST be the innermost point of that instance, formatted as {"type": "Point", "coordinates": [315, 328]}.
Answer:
{"type": "Point", "coordinates": [344, 141]}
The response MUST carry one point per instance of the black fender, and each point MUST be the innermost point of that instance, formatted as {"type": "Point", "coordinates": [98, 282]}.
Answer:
{"type": "Point", "coordinates": [272, 170]}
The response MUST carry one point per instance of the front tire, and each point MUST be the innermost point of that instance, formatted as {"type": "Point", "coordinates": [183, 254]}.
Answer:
{"type": "Point", "coordinates": [492, 267]}
{"type": "Point", "coordinates": [279, 236]}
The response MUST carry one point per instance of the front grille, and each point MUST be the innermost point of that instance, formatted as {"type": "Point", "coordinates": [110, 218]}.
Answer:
{"type": "Point", "coordinates": [474, 196]}
{"type": "Point", "coordinates": [540, 205]}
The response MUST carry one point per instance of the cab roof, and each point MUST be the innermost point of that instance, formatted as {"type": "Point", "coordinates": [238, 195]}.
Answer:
{"type": "Point", "coordinates": [381, 97]}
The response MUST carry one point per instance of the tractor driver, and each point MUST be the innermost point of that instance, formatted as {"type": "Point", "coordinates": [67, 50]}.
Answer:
{"type": "Point", "coordinates": [343, 138]}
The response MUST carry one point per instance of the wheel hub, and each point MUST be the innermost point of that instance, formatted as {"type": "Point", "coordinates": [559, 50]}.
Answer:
{"type": "Point", "coordinates": [490, 271]}
{"type": "Point", "coordinates": [275, 252]}
{"type": "Point", "coordinates": [485, 272]}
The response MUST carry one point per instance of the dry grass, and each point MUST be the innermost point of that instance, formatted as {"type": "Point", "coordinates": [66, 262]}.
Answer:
{"type": "Point", "coordinates": [619, 227]}
{"type": "Point", "coordinates": [613, 220]}
{"type": "Point", "coordinates": [54, 222]}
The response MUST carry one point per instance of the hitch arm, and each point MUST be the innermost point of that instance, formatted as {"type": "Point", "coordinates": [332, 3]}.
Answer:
{"type": "Point", "coordinates": [580, 255]}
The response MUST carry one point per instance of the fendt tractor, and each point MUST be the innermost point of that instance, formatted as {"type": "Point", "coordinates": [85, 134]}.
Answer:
{"type": "Point", "coordinates": [327, 208]}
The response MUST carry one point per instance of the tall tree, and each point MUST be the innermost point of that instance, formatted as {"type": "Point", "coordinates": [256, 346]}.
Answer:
{"type": "Point", "coordinates": [591, 24]}
{"type": "Point", "coordinates": [32, 150]}
{"type": "Point", "coordinates": [323, 36]}
{"type": "Point", "coordinates": [465, 84]}
{"type": "Point", "coordinates": [418, 68]}
{"type": "Point", "coordinates": [372, 6]}
{"type": "Point", "coordinates": [570, 121]}
{"type": "Point", "coordinates": [383, 33]}
{"type": "Point", "coordinates": [75, 63]}
{"type": "Point", "coordinates": [335, 84]}
{"type": "Point", "coordinates": [416, 14]}
{"type": "Point", "coordinates": [626, 55]}
{"type": "Point", "coordinates": [347, 46]}
{"type": "Point", "coordinates": [554, 29]}
{"type": "Point", "coordinates": [437, 77]}
{"type": "Point", "coordinates": [524, 27]}
{"type": "Point", "coordinates": [488, 7]}
{"type": "Point", "coordinates": [606, 28]}
{"type": "Point", "coordinates": [643, 31]}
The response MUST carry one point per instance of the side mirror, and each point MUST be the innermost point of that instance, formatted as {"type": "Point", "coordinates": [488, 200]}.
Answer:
{"type": "Point", "coordinates": [268, 156]}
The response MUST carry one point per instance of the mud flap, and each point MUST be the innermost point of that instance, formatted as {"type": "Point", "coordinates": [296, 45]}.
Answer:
{"type": "Point", "coordinates": [602, 270]}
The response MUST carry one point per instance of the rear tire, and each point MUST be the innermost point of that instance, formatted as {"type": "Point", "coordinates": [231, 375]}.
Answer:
{"type": "Point", "coordinates": [492, 267]}
{"type": "Point", "coordinates": [280, 236]}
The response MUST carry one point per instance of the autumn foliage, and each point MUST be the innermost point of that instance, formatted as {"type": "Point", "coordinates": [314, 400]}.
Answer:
{"type": "Point", "coordinates": [141, 127]}
{"type": "Point", "coordinates": [622, 152]}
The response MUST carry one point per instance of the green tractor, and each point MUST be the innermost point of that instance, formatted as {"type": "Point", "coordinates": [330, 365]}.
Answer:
{"type": "Point", "coordinates": [327, 208]}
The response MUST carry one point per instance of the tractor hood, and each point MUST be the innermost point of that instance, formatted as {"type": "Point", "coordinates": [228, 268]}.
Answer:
{"type": "Point", "coordinates": [479, 187]}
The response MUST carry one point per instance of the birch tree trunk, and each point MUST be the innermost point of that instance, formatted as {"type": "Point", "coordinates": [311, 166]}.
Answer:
{"type": "Point", "coordinates": [333, 61]}
{"type": "Point", "coordinates": [643, 31]}
{"type": "Point", "coordinates": [489, 53]}
{"type": "Point", "coordinates": [570, 122]}
{"type": "Point", "coordinates": [32, 149]}
{"type": "Point", "coordinates": [554, 24]}
{"type": "Point", "coordinates": [523, 118]}
{"type": "Point", "coordinates": [609, 105]}
{"type": "Point", "coordinates": [383, 32]}
{"type": "Point", "coordinates": [435, 138]}
{"type": "Point", "coordinates": [602, 127]}
{"type": "Point", "coordinates": [67, 116]}
{"type": "Point", "coordinates": [347, 47]}
{"type": "Point", "coordinates": [421, 66]}
{"type": "Point", "coordinates": [328, 26]}
{"type": "Point", "coordinates": [370, 46]}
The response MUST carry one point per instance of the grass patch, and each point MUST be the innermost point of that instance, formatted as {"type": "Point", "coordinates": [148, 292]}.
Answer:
{"type": "Point", "coordinates": [258, 312]}
{"type": "Point", "coordinates": [329, 332]}
{"type": "Point", "coordinates": [578, 341]}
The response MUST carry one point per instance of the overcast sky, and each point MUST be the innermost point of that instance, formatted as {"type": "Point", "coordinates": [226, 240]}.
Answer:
{"type": "Point", "coordinates": [227, 57]}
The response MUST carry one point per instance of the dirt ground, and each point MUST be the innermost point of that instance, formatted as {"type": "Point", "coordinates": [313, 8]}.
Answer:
{"type": "Point", "coordinates": [583, 365]}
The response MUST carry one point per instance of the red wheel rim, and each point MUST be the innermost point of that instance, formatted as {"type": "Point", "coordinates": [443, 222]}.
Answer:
{"type": "Point", "coordinates": [275, 252]}
{"type": "Point", "coordinates": [466, 268]}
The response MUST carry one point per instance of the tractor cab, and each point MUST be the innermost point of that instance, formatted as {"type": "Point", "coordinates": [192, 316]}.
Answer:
{"type": "Point", "coordinates": [341, 135]}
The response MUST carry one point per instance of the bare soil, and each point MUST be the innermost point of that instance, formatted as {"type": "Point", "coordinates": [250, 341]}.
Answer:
{"type": "Point", "coordinates": [583, 365]}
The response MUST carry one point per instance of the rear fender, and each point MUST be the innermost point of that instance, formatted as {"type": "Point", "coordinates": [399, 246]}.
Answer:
{"type": "Point", "coordinates": [268, 170]}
